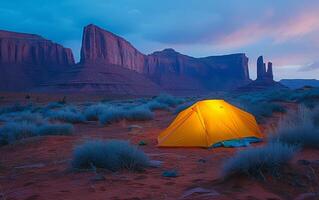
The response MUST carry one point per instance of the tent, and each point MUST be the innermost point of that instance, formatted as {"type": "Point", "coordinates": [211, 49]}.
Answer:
{"type": "Point", "coordinates": [209, 122]}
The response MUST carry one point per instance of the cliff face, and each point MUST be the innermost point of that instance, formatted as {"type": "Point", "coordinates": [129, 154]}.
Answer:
{"type": "Point", "coordinates": [211, 73]}
{"type": "Point", "coordinates": [19, 48]}
{"type": "Point", "coordinates": [111, 64]}
{"type": "Point", "coordinates": [100, 46]}
{"type": "Point", "coordinates": [168, 68]}
{"type": "Point", "coordinates": [27, 60]}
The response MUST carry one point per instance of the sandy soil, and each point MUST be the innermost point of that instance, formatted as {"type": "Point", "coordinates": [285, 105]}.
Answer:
{"type": "Point", "coordinates": [39, 168]}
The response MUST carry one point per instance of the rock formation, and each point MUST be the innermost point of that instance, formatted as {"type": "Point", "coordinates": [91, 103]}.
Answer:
{"type": "Point", "coordinates": [171, 70]}
{"type": "Point", "coordinates": [26, 60]}
{"type": "Point", "coordinates": [262, 73]}
{"type": "Point", "coordinates": [111, 64]}
{"type": "Point", "coordinates": [265, 78]}
{"type": "Point", "coordinates": [101, 46]}
{"type": "Point", "coordinates": [19, 48]}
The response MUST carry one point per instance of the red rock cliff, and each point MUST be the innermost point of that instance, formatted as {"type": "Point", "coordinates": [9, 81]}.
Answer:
{"type": "Point", "coordinates": [101, 46]}
{"type": "Point", "coordinates": [20, 48]}
{"type": "Point", "coordinates": [28, 60]}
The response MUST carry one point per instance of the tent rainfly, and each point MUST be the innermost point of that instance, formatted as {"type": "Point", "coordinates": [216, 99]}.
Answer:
{"type": "Point", "coordinates": [209, 122]}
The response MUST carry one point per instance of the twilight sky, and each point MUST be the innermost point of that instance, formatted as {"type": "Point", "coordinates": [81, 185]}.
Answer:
{"type": "Point", "coordinates": [284, 31]}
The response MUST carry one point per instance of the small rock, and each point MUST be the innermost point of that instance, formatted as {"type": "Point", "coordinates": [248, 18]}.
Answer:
{"type": "Point", "coordinates": [134, 127]}
{"type": "Point", "coordinates": [202, 160]}
{"type": "Point", "coordinates": [155, 163]}
{"type": "Point", "coordinates": [170, 173]}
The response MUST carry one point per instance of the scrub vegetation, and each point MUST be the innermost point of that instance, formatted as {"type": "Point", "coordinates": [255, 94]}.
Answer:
{"type": "Point", "coordinates": [300, 128]}
{"type": "Point", "coordinates": [259, 161]}
{"type": "Point", "coordinates": [113, 155]}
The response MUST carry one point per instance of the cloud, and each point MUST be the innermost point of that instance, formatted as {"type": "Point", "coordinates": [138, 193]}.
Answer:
{"type": "Point", "coordinates": [310, 67]}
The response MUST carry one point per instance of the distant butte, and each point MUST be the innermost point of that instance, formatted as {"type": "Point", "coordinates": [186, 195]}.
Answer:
{"type": "Point", "coordinates": [27, 60]}
{"type": "Point", "coordinates": [265, 78]}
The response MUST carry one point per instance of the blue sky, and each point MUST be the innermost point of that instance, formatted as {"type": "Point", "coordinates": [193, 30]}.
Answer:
{"type": "Point", "coordinates": [286, 32]}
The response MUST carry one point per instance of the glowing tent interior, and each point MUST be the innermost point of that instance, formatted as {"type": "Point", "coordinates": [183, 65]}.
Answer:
{"type": "Point", "coordinates": [209, 122]}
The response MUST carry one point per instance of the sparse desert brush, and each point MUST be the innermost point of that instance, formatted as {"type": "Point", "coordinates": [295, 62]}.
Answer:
{"type": "Point", "coordinates": [315, 116]}
{"type": "Point", "coordinates": [69, 115]}
{"type": "Point", "coordinates": [27, 116]}
{"type": "Point", "coordinates": [14, 131]}
{"type": "Point", "coordinates": [155, 105]}
{"type": "Point", "coordinates": [93, 112]}
{"type": "Point", "coordinates": [139, 113]}
{"type": "Point", "coordinates": [15, 108]}
{"type": "Point", "coordinates": [55, 129]}
{"type": "Point", "coordinates": [54, 105]}
{"type": "Point", "coordinates": [258, 161]}
{"type": "Point", "coordinates": [115, 114]}
{"type": "Point", "coordinates": [299, 128]}
{"type": "Point", "coordinates": [262, 109]}
{"type": "Point", "coordinates": [113, 155]}
{"type": "Point", "coordinates": [306, 136]}
{"type": "Point", "coordinates": [169, 100]}
{"type": "Point", "coordinates": [112, 114]}
{"type": "Point", "coordinates": [305, 95]}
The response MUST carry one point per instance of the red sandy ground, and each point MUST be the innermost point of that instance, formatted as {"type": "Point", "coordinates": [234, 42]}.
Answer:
{"type": "Point", "coordinates": [39, 168]}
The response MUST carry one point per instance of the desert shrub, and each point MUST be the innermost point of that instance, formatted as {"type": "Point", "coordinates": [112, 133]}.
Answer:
{"type": "Point", "coordinates": [139, 113]}
{"type": "Point", "coordinates": [168, 99]}
{"type": "Point", "coordinates": [262, 109]}
{"type": "Point", "coordinates": [55, 129]}
{"type": "Point", "coordinates": [27, 116]}
{"type": "Point", "coordinates": [112, 114]}
{"type": "Point", "coordinates": [305, 136]}
{"type": "Point", "coordinates": [257, 161]}
{"type": "Point", "coordinates": [155, 105]}
{"type": "Point", "coordinates": [54, 105]}
{"type": "Point", "coordinates": [113, 155]}
{"type": "Point", "coordinates": [308, 97]}
{"type": "Point", "coordinates": [315, 117]}
{"type": "Point", "coordinates": [93, 112]}
{"type": "Point", "coordinates": [15, 108]}
{"type": "Point", "coordinates": [14, 131]}
{"type": "Point", "coordinates": [115, 114]}
{"type": "Point", "coordinates": [69, 115]}
{"type": "Point", "coordinates": [299, 128]}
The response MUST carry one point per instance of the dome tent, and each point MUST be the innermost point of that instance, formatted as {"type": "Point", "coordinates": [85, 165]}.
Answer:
{"type": "Point", "coordinates": [209, 122]}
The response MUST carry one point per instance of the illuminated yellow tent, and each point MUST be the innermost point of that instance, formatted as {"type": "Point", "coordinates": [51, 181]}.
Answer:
{"type": "Point", "coordinates": [208, 122]}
